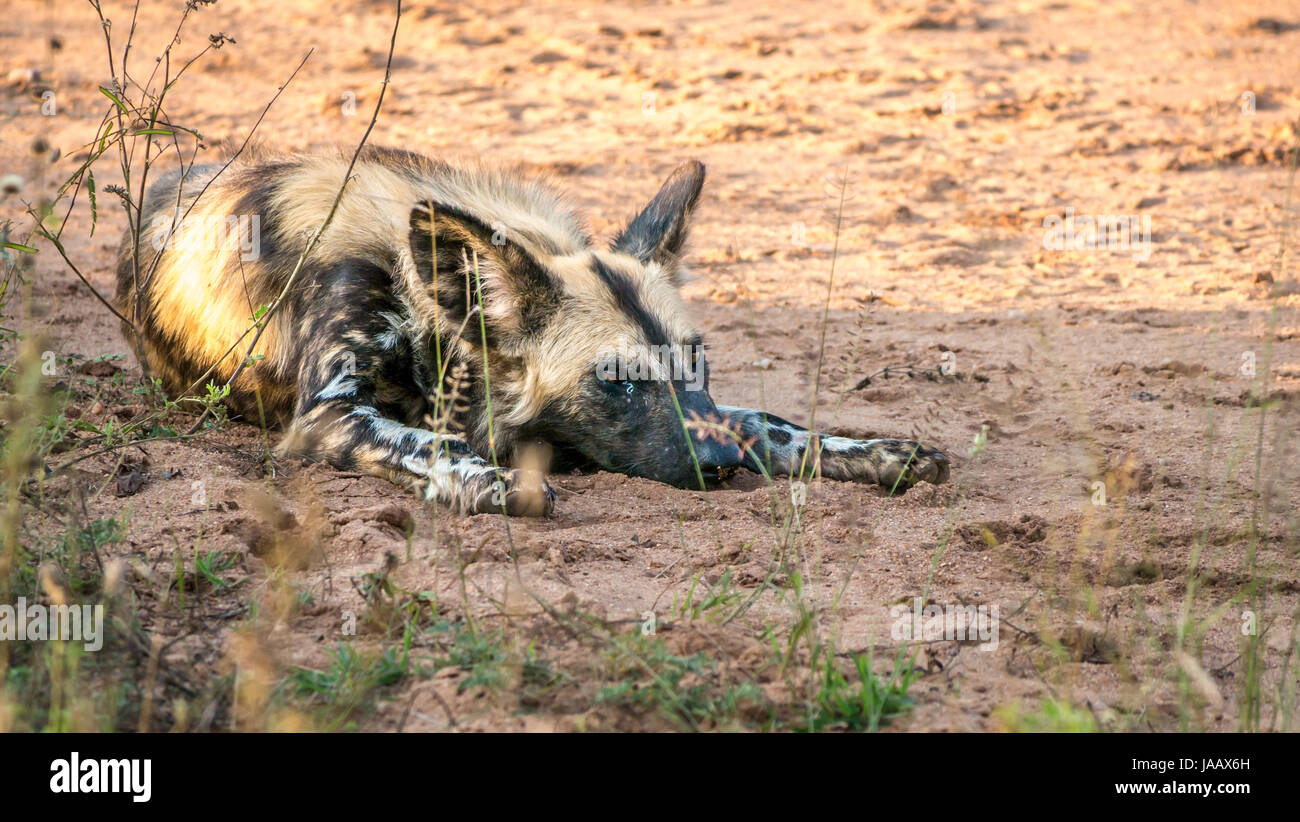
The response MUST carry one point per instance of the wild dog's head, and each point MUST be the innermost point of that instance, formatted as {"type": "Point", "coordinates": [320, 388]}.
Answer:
{"type": "Point", "coordinates": [594, 347]}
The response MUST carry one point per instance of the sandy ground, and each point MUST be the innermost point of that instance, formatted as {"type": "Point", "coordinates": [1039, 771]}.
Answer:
{"type": "Point", "coordinates": [954, 132]}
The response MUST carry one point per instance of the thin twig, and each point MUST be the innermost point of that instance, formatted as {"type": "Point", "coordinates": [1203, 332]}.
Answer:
{"type": "Point", "coordinates": [265, 321]}
{"type": "Point", "coordinates": [247, 138]}
{"type": "Point", "coordinates": [59, 247]}
{"type": "Point", "coordinates": [890, 370]}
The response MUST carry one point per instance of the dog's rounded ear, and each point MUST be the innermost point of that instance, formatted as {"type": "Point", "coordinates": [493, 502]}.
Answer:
{"type": "Point", "coordinates": [464, 263]}
{"type": "Point", "coordinates": [658, 233]}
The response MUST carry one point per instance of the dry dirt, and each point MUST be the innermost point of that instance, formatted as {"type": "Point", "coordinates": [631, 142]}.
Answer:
{"type": "Point", "coordinates": [955, 131]}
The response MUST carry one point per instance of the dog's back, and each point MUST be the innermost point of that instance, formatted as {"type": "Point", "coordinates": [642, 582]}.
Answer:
{"type": "Point", "coordinates": [215, 249]}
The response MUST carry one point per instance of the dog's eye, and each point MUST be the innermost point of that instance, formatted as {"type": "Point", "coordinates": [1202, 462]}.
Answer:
{"type": "Point", "coordinates": [696, 346]}
{"type": "Point", "coordinates": [624, 386]}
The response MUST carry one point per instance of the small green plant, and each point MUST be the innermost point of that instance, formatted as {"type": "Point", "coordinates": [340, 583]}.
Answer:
{"type": "Point", "coordinates": [213, 403]}
{"type": "Point", "coordinates": [1050, 716]}
{"type": "Point", "coordinates": [687, 690]}
{"type": "Point", "coordinates": [480, 654]}
{"type": "Point", "coordinates": [711, 602]}
{"type": "Point", "coordinates": [80, 541]}
{"type": "Point", "coordinates": [209, 566]}
{"type": "Point", "coordinates": [351, 683]}
{"type": "Point", "coordinates": [861, 702]}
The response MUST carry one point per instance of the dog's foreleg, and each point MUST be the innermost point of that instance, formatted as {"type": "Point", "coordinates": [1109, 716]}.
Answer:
{"type": "Point", "coordinates": [781, 448]}
{"type": "Point", "coordinates": [337, 422]}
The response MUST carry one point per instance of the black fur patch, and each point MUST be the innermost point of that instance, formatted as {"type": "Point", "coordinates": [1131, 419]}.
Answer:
{"type": "Point", "coordinates": [778, 436]}
{"type": "Point", "coordinates": [532, 290]}
{"type": "Point", "coordinates": [361, 290]}
{"type": "Point", "coordinates": [279, 254]}
{"type": "Point", "coordinates": [629, 302]}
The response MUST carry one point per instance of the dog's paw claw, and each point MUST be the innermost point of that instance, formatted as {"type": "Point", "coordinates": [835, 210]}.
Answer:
{"type": "Point", "coordinates": [910, 463]}
{"type": "Point", "coordinates": [520, 493]}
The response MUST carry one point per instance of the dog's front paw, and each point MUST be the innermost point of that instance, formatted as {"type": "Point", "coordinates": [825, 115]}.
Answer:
{"type": "Point", "coordinates": [892, 464]}
{"type": "Point", "coordinates": [901, 465]}
{"type": "Point", "coordinates": [520, 493]}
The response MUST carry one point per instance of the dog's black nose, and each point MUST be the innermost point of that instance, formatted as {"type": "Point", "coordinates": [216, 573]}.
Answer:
{"type": "Point", "coordinates": [713, 455]}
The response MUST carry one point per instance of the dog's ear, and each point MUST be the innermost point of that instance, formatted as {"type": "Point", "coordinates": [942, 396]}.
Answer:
{"type": "Point", "coordinates": [465, 263]}
{"type": "Point", "coordinates": [658, 233]}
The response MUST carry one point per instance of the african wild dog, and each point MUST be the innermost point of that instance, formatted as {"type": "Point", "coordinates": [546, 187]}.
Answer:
{"type": "Point", "coordinates": [464, 296]}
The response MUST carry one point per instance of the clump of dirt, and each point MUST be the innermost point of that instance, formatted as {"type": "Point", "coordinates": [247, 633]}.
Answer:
{"type": "Point", "coordinates": [1028, 528]}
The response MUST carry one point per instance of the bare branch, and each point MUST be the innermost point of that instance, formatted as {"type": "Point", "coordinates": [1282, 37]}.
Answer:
{"type": "Point", "coordinates": [329, 218]}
